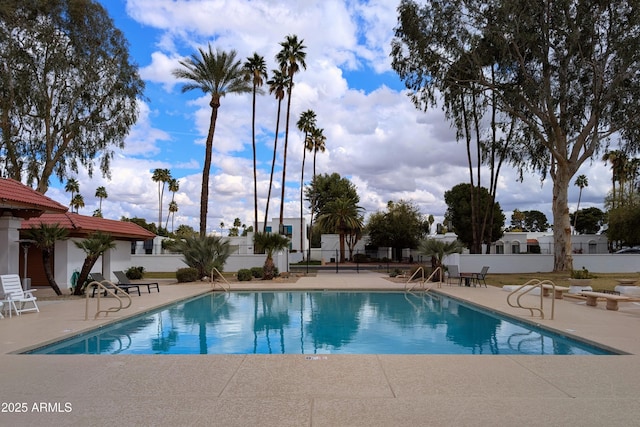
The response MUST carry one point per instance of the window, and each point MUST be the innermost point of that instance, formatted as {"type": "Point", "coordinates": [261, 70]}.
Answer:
{"type": "Point", "coordinates": [268, 229]}
{"type": "Point", "coordinates": [500, 249]}
{"type": "Point", "coordinates": [515, 248]}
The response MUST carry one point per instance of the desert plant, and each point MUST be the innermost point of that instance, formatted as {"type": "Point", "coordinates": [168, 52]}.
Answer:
{"type": "Point", "coordinates": [257, 272]}
{"type": "Point", "coordinates": [93, 246]}
{"type": "Point", "coordinates": [244, 275]}
{"type": "Point", "coordinates": [203, 253]}
{"type": "Point", "coordinates": [581, 274]}
{"type": "Point", "coordinates": [135, 273]}
{"type": "Point", "coordinates": [270, 243]}
{"type": "Point", "coordinates": [188, 274]}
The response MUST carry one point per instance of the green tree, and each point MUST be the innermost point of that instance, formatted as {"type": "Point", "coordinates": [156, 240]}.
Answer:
{"type": "Point", "coordinates": [174, 187]}
{"type": "Point", "coordinates": [342, 216]}
{"type": "Point", "coordinates": [69, 89]}
{"type": "Point", "coordinates": [290, 58]}
{"type": "Point", "coordinates": [535, 221]}
{"type": "Point", "coordinates": [256, 71]}
{"type": "Point", "coordinates": [588, 221]}
{"type": "Point", "coordinates": [401, 226]}
{"type": "Point", "coordinates": [203, 253]}
{"type": "Point", "coordinates": [517, 221]}
{"type": "Point", "coordinates": [183, 231]}
{"type": "Point", "coordinates": [72, 186]}
{"type": "Point", "coordinates": [437, 249]}
{"type": "Point", "coordinates": [317, 141]}
{"type": "Point", "coordinates": [569, 94]}
{"type": "Point", "coordinates": [269, 243]}
{"type": "Point", "coordinates": [277, 86]}
{"type": "Point", "coordinates": [458, 214]}
{"type": "Point", "coordinates": [77, 202]}
{"type": "Point", "coordinates": [161, 176]}
{"type": "Point", "coordinates": [93, 246]}
{"type": "Point", "coordinates": [101, 194]}
{"type": "Point", "coordinates": [217, 74]}
{"type": "Point", "coordinates": [325, 188]}
{"type": "Point", "coordinates": [306, 124]}
{"type": "Point", "coordinates": [45, 237]}
{"type": "Point", "coordinates": [152, 227]}
{"type": "Point", "coordinates": [581, 182]}
{"type": "Point", "coordinates": [624, 225]}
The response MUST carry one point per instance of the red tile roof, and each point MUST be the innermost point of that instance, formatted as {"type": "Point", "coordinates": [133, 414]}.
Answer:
{"type": "Point", "coordinates": [81, 225]}
{"type": "Point", "coordinates": [23, 201]}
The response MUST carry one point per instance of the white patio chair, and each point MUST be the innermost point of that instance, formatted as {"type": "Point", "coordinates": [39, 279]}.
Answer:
{"type": "Point", "coordinates": [15, 296]}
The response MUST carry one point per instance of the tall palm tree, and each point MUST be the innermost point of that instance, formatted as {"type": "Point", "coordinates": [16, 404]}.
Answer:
{"type": "Point", "coordinates": [256, 69]}
{"type": "Point", "coordinates": [290, 58]}
{"type": "Point", "coordinates": [77, 202]}
{"type": "Point", "coordinates": [269, 243]}
{"type": "Point", "coordinates": [93, 246]}
{"type": "Point", "coordinates": [317, 140]}
{"type": "Point", "coordinates": [277, 86]}
{"type": "Point", "coordinates": [618, 161]}
{"type": "Point", "coordinates": [173, 208]}
{"type": "Point", "coordinates": [306, 123]}
{"type": "Point", "coordinates": [174, 187]}
{"type": "Point", "coordinates": [216, 73]}
{"type": "Point", "coordinates": [73, 187]}
{"type": "Point", "coordinates": [161, 176]}
{"type": "Point", "coordinates": [341, 216]}
{"type": "Point", "coordinates": [101, 194]}
{"type": "Point", "coordinates": [582, 182]}
{"type": "Point", "coordinates": [45, 237]}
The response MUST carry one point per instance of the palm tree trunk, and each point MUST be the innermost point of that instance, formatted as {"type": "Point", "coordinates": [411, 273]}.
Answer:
{"type": "Point", "coordinates": [304, 155]}
{"type": "Point", "coordinates": [273, 165]}
{"type": "Point", "coordinates": [255, 167]}
{"type": "Point", "coordinates": [46, 261]}
{"type": "Point", "coordinates": [87, 265]}
{"type": "Point", "coordinates": [204, 193]}
{"type": "Point", "coordinates": [284, 159]}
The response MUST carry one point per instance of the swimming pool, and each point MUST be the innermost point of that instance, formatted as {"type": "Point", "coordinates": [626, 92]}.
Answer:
{"type": "Point", "coordinates": [320, 323]}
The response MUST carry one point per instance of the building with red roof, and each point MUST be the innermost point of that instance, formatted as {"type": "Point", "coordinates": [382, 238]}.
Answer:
{"type": "Point", "coordinates": [68, 258]}
{"type": "Point", "coordinates": [18, 202]}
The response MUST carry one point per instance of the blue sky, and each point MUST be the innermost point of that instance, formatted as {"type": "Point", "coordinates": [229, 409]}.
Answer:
{"type": "Point", "coordinates": [375, 136]}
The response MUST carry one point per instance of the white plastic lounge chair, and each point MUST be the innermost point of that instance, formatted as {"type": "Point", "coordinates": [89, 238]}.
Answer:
{"type": "Point", "coordinates": [15, 296]}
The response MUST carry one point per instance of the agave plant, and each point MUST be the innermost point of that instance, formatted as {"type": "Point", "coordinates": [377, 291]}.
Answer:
{"type": "Point", "coordinates": [269, 243]}
{"type": "Point", "coordinates": [203, 253]}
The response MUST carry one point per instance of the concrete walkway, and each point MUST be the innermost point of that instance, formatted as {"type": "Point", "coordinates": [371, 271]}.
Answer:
{"type": "Point", "coordinates": [332, 390]}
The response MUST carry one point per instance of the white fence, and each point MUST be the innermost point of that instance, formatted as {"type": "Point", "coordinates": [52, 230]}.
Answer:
{"type": "Point", "coordinates": [534, 263]}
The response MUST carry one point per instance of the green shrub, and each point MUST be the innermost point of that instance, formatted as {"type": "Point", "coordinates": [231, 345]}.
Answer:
{"type": "Point", "coordinates": [188, 274]}
{"type": "Point", "coordinates": [135, 273]}
{"type": "Point", "coordinates": [244, 275]}
{"type": "Point", "coordinates": [257, 272]}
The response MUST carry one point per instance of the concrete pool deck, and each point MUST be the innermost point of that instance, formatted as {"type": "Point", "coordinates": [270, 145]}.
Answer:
{"type": "Point", "coordinates": [322, 390]}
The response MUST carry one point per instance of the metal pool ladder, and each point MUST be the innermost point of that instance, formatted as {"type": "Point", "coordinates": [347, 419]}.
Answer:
{"type": "Point", "coordinates": [422, 281]}
{"type": "Point", "coordinates": [109, 288]}
{"type": "Point", "coordinates": [528, 287]}
{"type": "Point", "coordinates": [213, 281]}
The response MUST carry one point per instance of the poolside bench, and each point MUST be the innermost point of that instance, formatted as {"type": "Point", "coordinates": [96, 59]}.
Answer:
{"type": "Point", "coordinates": [612, 299]}
{"type": "Point", "coordinates": [546, 290]}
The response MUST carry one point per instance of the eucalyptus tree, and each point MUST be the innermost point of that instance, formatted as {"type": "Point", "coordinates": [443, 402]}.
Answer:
{"type": "Point", "coordinates": [256, 71]}
{"type": "Point", "coordinates": [306, 124]}
{"type": "Point", "coordinates": [565, 70]}
{"type": "Point", "coordinates": [277, 86]}
{"type": "Point", "coordinates": [216, 73]}
{"type": "Point", "coordinates": [69, 89]}
{"type": "Point", "coordinates": [290, 58]}
{"type": "Point", "coordinates": [161, 176]}
{"type": "Point", "coordinates": [581, 182]}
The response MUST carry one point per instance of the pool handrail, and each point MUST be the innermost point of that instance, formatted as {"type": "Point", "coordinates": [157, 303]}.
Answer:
{"type": "Point", "coordinates": [534, 284]}
{"type": "Point", "coordinates": [213, 281]}
{"type": "Point", "coordinates": [109, 288]}
{"type": "Point", "coordinates": [423, 280]}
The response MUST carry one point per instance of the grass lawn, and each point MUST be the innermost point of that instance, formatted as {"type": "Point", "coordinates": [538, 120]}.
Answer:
{"type": "Point", "coordinates": [600, 281]}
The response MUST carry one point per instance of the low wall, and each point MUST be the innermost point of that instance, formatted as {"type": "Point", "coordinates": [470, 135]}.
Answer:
{"type": "Point", "coordinates": [172, 262]}
{"type": "Point", "coordinates": [534, 263]}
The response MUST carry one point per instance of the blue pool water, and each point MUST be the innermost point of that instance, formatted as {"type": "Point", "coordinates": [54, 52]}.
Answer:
{"type": "Point", "coordinates": [319, 323]}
